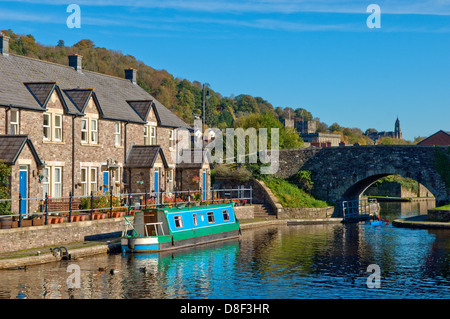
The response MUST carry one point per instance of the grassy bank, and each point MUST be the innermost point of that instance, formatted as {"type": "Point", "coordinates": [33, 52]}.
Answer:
{"type": "Point", "coordinates": [290, 195]}
{"type": "Point", "coordinates": [445, 207]}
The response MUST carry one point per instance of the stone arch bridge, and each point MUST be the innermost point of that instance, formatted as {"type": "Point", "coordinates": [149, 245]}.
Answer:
{"type": "Point", "coordinates": [344, 173]}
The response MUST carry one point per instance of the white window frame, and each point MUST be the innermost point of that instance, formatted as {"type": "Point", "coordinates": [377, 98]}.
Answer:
{"type": "Point", "coordinates": [58, 128]}
{"type": "Point", "coordinates": [15, 124]}
{"type": "Point", "coordinates": [46, 172]}
{"type": "Point", "coordinates": [171, 138]}
{"type": "Point", "coordinates": [57, 184]}
{"type": "Point", "coordinates": [117, 134]}
{"type": "Point", "coordinates": [93, 184]}
{"type": "Point", "coordinates": [170, 180]}
{"type": "Point", "coordinates": [194, 217]}
{"type": "Point", "coordinates": [152, 135]}
{"type": "Point", "coordinates": [84, 183]}
{"type": "Point", "coordinates": [85, 131]}
{"type": "Point", "coordinates": [146, 135]}
{"type": "Point", "coordinates": [178, 220]}
{"type": "Point", "coordinates": [48, 127]}
{"type": "Point", "coordinates": [94, 131]}
{"type": "Point", "coordinates": [226, 215]}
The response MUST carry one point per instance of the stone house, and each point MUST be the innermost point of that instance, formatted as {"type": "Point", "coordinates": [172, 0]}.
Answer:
{"type": "Point", "coordinates": [81, 125]}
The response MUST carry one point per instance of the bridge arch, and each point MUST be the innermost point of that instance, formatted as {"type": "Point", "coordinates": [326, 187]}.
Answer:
{"type": "Point", "coordinates": [343, 173]}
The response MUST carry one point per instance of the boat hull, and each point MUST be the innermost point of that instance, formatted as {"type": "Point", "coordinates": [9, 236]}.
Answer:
{"type": "Point", "coordinates": [151, 244]}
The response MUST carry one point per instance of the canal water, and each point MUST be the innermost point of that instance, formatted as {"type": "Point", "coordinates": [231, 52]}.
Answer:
{"type": "Point", "coordinates": [280, 262]}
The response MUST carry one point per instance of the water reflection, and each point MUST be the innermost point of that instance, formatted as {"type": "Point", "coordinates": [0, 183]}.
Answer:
{"type": "Point", "coordinates": [397, 209]}
{"type": "Point", "coordinates": [303, 261]}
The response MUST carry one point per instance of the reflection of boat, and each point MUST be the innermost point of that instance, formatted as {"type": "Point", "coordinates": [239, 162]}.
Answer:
{"type": "Point", "coordinates": [156, 230]}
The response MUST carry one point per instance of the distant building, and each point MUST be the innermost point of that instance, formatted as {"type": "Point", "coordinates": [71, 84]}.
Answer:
{"type": "Point", "coordinates": [439, 138]}
{"type": "Point", "coordinates": [307, 131]}
{"type": "Point", "coordinates": [397, 133]}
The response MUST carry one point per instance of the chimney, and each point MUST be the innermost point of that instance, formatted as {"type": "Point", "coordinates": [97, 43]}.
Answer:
{"type": "Point", "coordinates": [4, 44]}
{"type": "Point", "coordinates": [130, 74]}
{"type": "Point", "coordinates": [75, 62]}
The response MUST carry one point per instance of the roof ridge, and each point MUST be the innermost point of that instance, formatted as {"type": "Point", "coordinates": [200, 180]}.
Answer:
{"type": "Point", "coordinates": [66, 66]}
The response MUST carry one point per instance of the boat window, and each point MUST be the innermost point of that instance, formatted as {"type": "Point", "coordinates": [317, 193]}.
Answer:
{"type": "Point", "coordinates": [226, 216]}
{"type": "Point", "coordinates": [178, 221]}
{"type": "Point", "coordinates": [195, 219]}
{"type": "Point", "coordinates": [210, 217]}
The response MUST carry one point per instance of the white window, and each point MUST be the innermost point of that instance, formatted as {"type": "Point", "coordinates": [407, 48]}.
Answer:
{"type": "Point", "coordinates": [116, 179]}
{"type": "Point", "coordinates": [84, 184]}
{"type": "Point", "coordinates": [84, 130]}
{"type": "Point", "coordinates": [94, 131]}
{"type": "Point", "coordinates": [58, 127]}
{"type": "Point", "coordinates": [46, 182]}
{"type": "Point", "coordinates": [149, 135]}
{"type": "Point", "coordinates": [93, 179]}
{"type": "Point", "coordinates": [171, 138]}
{"type": "Point", "coordinates": [57, 182]}
{"type": "Point", "coordinates": [47, 127]}
{"type": "Point", "coordinates": [14, 122]}
{"type": "Point", "coordinates": [170, 180]}
{"type": "Point", "coordinates": [145, 135]}
{"type": "Point", "coordinates": [178, 221]}
{"type": "Point", "coordinates": [152, 135]}
{"type": "Point", "coordinates": [194, 216]}
{"type": "Point", "coordinates": [117, 134]}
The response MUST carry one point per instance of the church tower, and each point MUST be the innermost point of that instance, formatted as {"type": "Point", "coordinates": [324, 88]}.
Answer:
{"type": "Point", "coordinates": [397, 130]}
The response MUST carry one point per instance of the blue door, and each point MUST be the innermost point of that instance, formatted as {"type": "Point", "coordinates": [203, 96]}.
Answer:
{"type": "Point", "coordinates": [105, 181]}
{"type": "Point", "coordinates": [157, 185]}
{"type": "Point", "coordinates": [204, 185]}
{"type": "Point", "coordinates": [23, 189]}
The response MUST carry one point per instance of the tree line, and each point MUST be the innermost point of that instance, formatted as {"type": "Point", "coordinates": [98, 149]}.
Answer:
{"type": "Point", "coordinates": [182, 96]}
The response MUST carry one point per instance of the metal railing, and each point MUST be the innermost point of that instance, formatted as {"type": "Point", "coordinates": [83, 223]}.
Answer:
{"type": "Point", "coordinates": [108, 203]}
{"type": "Point", "coordinates": [359, 209]}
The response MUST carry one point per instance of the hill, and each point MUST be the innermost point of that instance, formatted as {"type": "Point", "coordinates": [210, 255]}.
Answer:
{"type": "Point", "coordinates": [182, 96]}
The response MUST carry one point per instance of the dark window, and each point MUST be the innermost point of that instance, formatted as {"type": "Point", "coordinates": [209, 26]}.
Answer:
{"type": "Point", "coordinates": [226, 216]}
{"type": "Point", "coordinates": [210, 217]}
{"type": "Point", "coordinates": [178, 221]}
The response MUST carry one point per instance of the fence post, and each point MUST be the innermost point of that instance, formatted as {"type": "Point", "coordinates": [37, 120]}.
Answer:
{"type": "Point", "coordinates": [145, 199]}
{"type": "Point", "coordinates": [46, 209]}
{"type": "Point", "coordinates": [175, 198]}
{"type": "Point", "coordinates": [111, 202]}
{"type": "Point", "coordinates": [20, 210]}
{"type": "Point", "coordinates": [92, 205]}
{"type": "Point", "coordinates": [129, 201]}
{"type": "Point", "coordinates": [70, 207]}
{"type": "Point", "coordinates": [189, 197]}
{"type": "Point", "coordinates": [251, 195]}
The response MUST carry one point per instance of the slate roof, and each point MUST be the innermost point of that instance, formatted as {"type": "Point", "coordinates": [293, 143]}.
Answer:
{"type": "Point", "coordinates": [144, 156]}
{"type": "Point", "coordinates": [111, 92]}
{"type": "Point", "coordinates": [12, 145]}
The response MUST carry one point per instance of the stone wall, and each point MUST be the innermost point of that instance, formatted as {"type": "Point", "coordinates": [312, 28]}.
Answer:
{"type": "Point", "coordinates": [436, 215]}
{"type": "Point", "coordinates": [15, 239]}
{"type": "Point", "coordinates": [306, 213]}
{"type": "Point", "coordinates": [244, 212]}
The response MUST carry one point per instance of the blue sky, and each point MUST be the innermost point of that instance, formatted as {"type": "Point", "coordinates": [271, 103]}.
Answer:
{"type": "Point", "coordinates": [316, 54]}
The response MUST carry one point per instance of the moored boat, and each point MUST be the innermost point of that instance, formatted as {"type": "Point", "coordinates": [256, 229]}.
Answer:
{"type": "Point", "coordinates": [161, 229]}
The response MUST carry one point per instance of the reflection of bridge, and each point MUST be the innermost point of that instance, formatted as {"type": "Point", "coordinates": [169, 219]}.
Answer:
{"type": "Point", "coordinates": [344, 173]}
